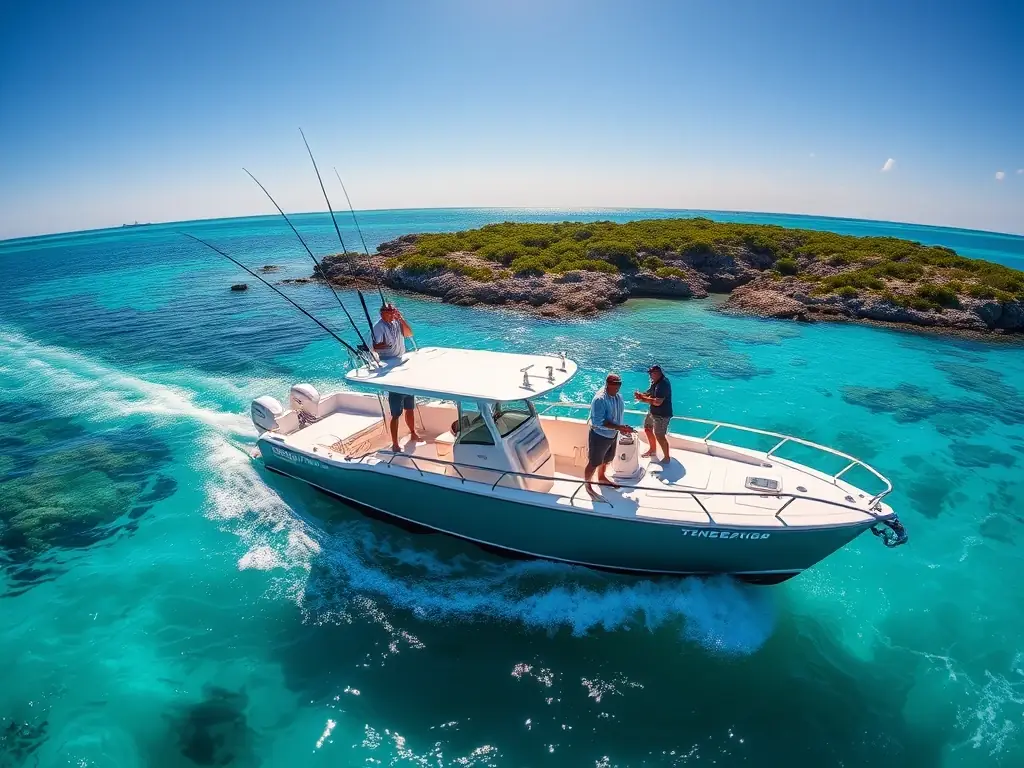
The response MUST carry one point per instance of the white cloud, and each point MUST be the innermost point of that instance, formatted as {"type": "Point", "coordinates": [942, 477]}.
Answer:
{"type": "Point", "coordinates": [888, 165]}
{"type": "Point", "coordinates": [1020, 171]}
{"type": "Point", "coordinates": [1000, 175]}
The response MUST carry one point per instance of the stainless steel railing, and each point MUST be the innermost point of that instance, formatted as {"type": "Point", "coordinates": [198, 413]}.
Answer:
{"type": "Point", "coordinates": [871, 510]}
{"type": "Point", "coordinates": [783, 440]}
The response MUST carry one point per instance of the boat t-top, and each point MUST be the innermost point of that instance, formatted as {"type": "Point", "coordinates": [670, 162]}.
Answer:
{"type": "Point", "coordinates": [498, 465]}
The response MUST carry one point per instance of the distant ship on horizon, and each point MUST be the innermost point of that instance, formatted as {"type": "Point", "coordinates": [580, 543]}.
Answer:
{"type": "Point", "coordinates": [135, 224]}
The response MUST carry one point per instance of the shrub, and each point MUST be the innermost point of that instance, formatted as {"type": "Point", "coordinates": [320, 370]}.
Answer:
{"type": "Point", "coordinates": [652, 263]}
{"type": "Point", "coordinates": [503, 252]}
{"type": "Point", "coordinates": [857, 278]}
{"type": "Point", "coordinates": [622, 255]}
{"type": "Point", "coordinates": [421, 264]}
{"type": "Point", "coordinates": [848, 292]}
{"type": "Point", "coordinates": [787, 266]}
{"type": "Point", "coordinates": [528, 266]}
{"type": "Point", "coordinates": [938, 295]}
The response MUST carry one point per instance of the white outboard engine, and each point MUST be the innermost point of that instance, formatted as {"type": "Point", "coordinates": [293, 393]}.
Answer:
{"type": "Point", "coordinates": [266, 413]}
{"type": "Point", "coordinates": [305, 401]}
{"type": "Point", "coordinates": [626, 464]}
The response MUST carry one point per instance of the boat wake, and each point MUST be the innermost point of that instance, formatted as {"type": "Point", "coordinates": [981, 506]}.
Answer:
{"type": "Point", "coordinates": [331, 574]}
{"type": "Point", "coordinates": [74, 385]}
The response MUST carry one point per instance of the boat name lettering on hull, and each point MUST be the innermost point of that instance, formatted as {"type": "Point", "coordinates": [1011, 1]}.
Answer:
{"type": "Point", "coordinates": [706, 533]}
{"type": "Point", "coordinates": [294, 458]}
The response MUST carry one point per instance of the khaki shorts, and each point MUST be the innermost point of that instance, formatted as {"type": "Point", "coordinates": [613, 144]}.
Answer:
{"type": "Point", "coordinates": [657, 424]}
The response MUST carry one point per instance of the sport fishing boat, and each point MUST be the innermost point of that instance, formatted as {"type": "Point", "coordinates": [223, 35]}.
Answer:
{"type": "Point", "coordinates": [496, 465]}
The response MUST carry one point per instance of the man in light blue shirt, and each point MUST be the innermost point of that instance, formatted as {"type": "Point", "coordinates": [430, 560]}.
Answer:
{"type": "Point", "coordinates": [389, 335]}
{"type": "Point", "coordinates": [606, 414]}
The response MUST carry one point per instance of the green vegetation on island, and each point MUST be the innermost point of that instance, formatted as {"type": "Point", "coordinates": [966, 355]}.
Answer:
{"type": "Point", "coordinates": [903, 272]}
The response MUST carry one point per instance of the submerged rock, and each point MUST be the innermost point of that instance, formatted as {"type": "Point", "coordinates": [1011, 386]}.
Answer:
{"type": "Point", "coordinates": [240, 287]}
{"type": "Point", "coordinates": [215, 730]}
{"type": "Point", "coordinates": [83, 489]}
{"type": "Point", "coordinates": [269, 268]}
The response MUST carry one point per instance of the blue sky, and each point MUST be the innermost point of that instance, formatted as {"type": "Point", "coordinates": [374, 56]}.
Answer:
{"type": "Point", "coordinates": [115, 111]}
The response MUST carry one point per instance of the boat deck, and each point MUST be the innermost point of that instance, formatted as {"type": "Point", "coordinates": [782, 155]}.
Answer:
{"type": "Point", "coordinates": [696, 487]}
{"type": "Point", "coordinates": [673, 492]}
{"type": "Point", "coordinates": [676, 491]}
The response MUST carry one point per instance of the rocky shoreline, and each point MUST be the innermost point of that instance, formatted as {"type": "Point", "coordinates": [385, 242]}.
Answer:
{"type": "Point", "coordinates": [748, 276]}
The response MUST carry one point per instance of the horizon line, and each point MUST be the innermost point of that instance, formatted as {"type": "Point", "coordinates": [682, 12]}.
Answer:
{"type": "Point", "coordinates": [116, 228]}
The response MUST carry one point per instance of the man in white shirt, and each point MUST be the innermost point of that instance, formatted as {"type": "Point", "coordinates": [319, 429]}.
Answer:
{"type": "Point", "coordinates": [606, 424]}
{"type": "Point", "coordinates": [389, 335]}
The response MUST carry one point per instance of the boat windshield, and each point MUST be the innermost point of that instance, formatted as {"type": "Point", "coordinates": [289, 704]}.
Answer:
{"type": "Point", "coordinates": [508, 417]}
{"type": "Point", "coordinates": [473, 429]}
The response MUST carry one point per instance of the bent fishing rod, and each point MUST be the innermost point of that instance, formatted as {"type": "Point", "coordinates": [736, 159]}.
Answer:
{"type": "Point", "coordinates": [360, 231]}
{"type": "Point", "coordinates": [330, 210]}
{"type": "Point", "coordinates": [315, 261]}
{"type": "Point", "coordinates": [357, 353]}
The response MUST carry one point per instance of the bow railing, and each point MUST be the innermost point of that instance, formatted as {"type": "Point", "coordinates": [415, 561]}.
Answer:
{"type": "Point", "coordinates": [783, 440]}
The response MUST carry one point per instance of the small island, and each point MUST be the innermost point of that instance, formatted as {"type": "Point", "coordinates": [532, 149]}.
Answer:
{"type": "Point", "coordinates": [571, 268]}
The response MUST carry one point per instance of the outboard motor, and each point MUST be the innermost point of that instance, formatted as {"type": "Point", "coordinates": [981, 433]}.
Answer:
{"type": "Point", "coordinates": [266, 412]}
{"type": "Point", "coordinates": [305, 401]}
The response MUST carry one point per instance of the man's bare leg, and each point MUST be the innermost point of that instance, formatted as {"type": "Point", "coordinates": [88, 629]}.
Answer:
{"type": "Point", "coordinates": [603, 477]}
{"type": "Point", "coordinates": [410, 421]}
{"type": "Point", "coordinates": [588, 477]}
{"type": "Point", "coordinates": [651, 449]}
{"type": "Point", "coordinates": [394, 434]}
{"type": "Point", "coordinates": [663, 442]}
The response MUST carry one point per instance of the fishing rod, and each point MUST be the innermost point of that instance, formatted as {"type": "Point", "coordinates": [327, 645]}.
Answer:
{"type": "Point", "coordinates": [330, 209]}
{"type": "Point", "coordinates": [315, 261]}
{"type": "Point", "coordinates": [360, 231]}
{"type": "Point", "coordinates": [358, 354]}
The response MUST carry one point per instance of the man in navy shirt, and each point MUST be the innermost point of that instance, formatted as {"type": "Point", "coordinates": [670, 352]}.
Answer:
{"type": "Point", "coordinates": [659, 397]}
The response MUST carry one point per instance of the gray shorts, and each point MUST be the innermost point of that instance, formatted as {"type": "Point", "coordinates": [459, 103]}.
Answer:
{"type": "Point", "coordinates": [657, 424]}
{"type": "Point", "coordinates": [600, 449]}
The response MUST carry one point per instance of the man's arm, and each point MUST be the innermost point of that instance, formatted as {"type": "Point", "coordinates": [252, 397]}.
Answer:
{"type": "Point", "coordinates": [406, 328]}
{"type": "Point", "coordinates": [382, 344]}
{"type": "Point", "coordinates": [646, 397]}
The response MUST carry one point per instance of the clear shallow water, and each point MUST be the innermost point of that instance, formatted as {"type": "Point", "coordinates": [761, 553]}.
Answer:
{"type": "Point", "coordinates": [163, 602]}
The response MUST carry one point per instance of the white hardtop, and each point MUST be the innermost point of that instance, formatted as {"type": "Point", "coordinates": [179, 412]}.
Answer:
{"type": "Point", "coordinates": [467, 374]}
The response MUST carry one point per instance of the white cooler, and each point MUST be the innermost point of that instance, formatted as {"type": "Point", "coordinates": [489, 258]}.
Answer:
{"type": "Point", "coordinates": [626, 464]}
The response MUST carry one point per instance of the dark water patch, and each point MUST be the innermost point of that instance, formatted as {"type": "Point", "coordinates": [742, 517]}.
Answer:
{"type": "Point", "coordinates": [973, 455]}
{"type": "Point", "coordinates": [908, 403]}
{"type": "Point", "coordinates": [960, 349]}
{"type": "Point", "coordinates": [19, 740]}
{"type": "Point", "coordinates": [75, 488]}
{"type": "Point", "coordinates": [998, 528]}
{"type": "Point", "coordinates": [860, 445]}
{"type": "Point", "coordinates": [1005, 504]}
{"type": "Point", "coordinates": [163, 488]}
{"type": "Point", "coordinates": [215, 731]}
{"type": "Point", "coordinates": [798, 362]}
{"type": "Point", "coordinates": [932, 492]}
{"type": "Point", "coordinates": [960, 424]}
{"type": "Point", "coordinates": [983, 381]}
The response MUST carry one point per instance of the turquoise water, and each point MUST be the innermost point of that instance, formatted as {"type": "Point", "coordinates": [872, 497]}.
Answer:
{"type": "Point", "coordinates": [167, 603]}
